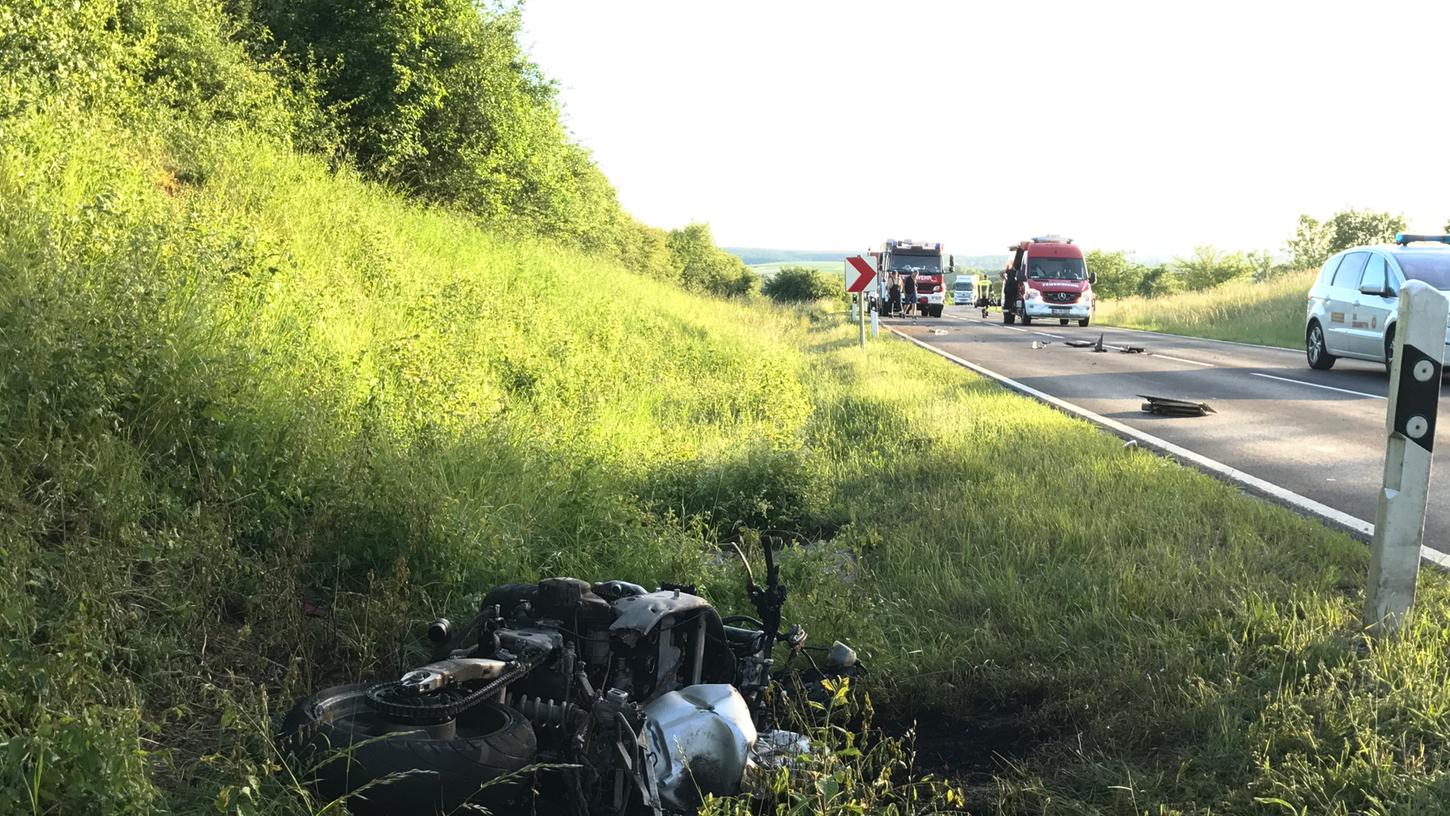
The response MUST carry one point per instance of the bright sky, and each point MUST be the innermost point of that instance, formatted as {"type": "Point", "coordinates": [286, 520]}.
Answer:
{"type": "Point", "coordinates": [1151, 126]}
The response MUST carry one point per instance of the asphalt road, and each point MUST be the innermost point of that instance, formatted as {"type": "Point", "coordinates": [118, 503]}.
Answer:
{"type": "Point", "coordinates": [1320, 434]}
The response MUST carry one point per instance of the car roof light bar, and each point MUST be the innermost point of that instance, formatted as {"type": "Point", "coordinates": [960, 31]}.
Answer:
{"type": "Point", "coordinates": [1402, 238]}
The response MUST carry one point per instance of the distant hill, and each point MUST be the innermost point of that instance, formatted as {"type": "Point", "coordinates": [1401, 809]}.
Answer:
{"type": "Point", "coordinates": [753, 255]}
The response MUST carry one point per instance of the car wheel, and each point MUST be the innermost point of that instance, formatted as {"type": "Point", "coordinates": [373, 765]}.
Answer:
{"type": "Point", "coordinates": [1026, 318]}
{"type": "Point", "coordinates": [1062, 321]}
{"type": "Point", "coordinates": [1390, 350]}
{"type": "Point", "coordinates": [1315, 350]}
{"type": "Point", "coordinates": [1083, 322]}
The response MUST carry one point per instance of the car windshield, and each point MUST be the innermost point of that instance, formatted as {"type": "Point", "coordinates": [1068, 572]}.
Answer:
{"type": "Point", "coordinates": [1431, 267]}
{"type": "Point", "coordinates": [920, 264]}
{"type": "Point", "coordinates": [1056, 269]}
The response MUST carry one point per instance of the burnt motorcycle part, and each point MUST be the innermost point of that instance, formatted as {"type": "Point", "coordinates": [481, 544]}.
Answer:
{"type": "Point", "coordinates": [348, 750]}
{"type": "Point", "coordinates": [700, 739]}
{"type": "Point", "coordinates": [444, 673]}
{"type": "Point", "coordinates": [582, 682]}
{"type": "Point", "coordinates": [840, 656]}
{"type": "Point", "coordinates": [398, 704]}
{"type": "Point", "coordinates": [440, 632]}
{"type": "Point", "coordinates": [1170, 406]}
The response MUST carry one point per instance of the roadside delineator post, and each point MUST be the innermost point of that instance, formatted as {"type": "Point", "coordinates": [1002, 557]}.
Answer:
{"type": "Point", "coordinates": [1399, 525]}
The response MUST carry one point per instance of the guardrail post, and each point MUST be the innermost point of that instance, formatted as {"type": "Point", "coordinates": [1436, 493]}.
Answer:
{"type": "Point", "coordinates": [1399, 524]}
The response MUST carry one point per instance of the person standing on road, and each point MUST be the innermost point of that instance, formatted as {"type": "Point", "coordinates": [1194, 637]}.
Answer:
{"type": "Point", "coordinates": [909, 287]}
{"type": "Point", "coordinates": [893, 283]}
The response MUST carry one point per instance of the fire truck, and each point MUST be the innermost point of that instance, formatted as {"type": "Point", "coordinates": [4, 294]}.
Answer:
{"type": "Point", "coordinates": [921, 260]}
{"type": "Point", "coordinates": [1047, 278]}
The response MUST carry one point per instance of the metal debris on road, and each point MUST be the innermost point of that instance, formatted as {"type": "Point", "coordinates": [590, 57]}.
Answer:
{"type": "Point", "coordinates": [1099, 346]}
{"type": "Point", "coordinates": [1080, 343]}
{"type": "Point", "coordinates": [938, 331]}
{"type": "Point", "coordinates": [1169, 406]}
{"type": "Point", "coordinates": [1037, 344]}
{"type": "Point", "coordinates": [1131, 349]}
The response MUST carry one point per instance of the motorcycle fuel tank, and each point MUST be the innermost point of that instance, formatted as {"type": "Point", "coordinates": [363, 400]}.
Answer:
{"type": "Point", "coordinates": [700, 739]}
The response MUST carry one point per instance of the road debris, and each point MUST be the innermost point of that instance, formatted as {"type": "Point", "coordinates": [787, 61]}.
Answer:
{"type": "Point", "coordinates": [1131, 349]}
{"type": "Point", "coordinates": [1037, 344]}
{"type": "Point", "coordinates": [1130, 444]}
{"type": "Point", "coordinates": [1099, 347]}
{"type": "Point", "coordinates": [1080, 343]}
{"type": "Point", "coordinates": [1169, 406]}
{"type": "Point", "coordinates": [938, 331]}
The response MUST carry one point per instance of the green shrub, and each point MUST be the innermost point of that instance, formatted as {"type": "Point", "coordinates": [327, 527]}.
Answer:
{"type": "Point", "coordinates": [705, 267]}
{"type": "Point", "coordinates": [798, 284]}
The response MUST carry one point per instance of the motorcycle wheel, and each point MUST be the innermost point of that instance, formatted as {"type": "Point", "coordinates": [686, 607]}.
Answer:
{"type": "Point", "coordinates": [344, 745]}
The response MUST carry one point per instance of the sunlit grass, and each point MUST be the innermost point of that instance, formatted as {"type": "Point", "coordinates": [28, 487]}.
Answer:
{"type": "Point", "coordinates": [280, 385]}
{"type": "Point", "coordinates": [1270, 313]}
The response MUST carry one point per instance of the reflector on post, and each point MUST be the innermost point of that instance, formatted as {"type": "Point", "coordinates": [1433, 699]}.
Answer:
{"type": "Point", "coordinates": [1399, 522]}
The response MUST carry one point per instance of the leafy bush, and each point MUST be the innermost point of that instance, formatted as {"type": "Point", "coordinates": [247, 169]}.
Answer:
{"type": "Point", "coordinates": [1314, 242]}
{"type": "Point", "coordinates": [1209, 266]}
{"type": "Point", "coordinates": [705, 267]}
{"type": "Point", "coordinates": [799, 284]}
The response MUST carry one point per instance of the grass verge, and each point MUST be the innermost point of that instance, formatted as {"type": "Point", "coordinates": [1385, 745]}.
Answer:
{"type": "Point", "coordinates": [259, 420]}
{"type": "Point", "coordinates": [1270, 313]}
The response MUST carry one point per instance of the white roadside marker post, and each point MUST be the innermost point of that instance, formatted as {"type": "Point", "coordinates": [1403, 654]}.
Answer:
{"type": "Point", "coordinates": [1399, 524]}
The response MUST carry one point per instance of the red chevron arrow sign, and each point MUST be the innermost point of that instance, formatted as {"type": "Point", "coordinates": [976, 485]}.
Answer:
{"type": "Point", "coordinates": [860, 269]}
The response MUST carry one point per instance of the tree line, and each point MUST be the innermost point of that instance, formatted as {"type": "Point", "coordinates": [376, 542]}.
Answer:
{"type": "Point", "coordinates": [1312, 243]}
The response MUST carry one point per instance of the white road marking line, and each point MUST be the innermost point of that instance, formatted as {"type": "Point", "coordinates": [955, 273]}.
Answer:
{"type": "Point", "coordinates": [1050, 334]}
{"type": "Point", "coordinates": [1317, 385]}
{"type": "Point", "coordinates": [1303, 503]}
{"type": "Point", "coordinates": [1181, 360]}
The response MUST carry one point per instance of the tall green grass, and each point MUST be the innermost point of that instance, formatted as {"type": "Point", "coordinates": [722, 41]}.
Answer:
{"type": "Point", "coordinates": [1247, 311]}
{"type": "Point", "coordinates": [259, 419]}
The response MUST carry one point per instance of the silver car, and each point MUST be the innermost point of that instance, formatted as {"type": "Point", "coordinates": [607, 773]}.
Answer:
{"type": "Point", "coordinates": [1355, 301]}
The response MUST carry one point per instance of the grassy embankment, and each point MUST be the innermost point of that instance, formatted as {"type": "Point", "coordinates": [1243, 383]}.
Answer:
{"type": "Point", "coordinates": [235, 382]}
{"type": "Point", "coordinates": [1269, 313]}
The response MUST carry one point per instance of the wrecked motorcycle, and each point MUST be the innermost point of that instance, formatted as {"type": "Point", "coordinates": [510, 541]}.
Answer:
{"type": "Point", "coordinates": [598, 698]}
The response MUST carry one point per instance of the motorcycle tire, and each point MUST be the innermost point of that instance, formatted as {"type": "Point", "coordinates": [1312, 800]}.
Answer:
{"type": "Point", "coordinates": [344, 745]}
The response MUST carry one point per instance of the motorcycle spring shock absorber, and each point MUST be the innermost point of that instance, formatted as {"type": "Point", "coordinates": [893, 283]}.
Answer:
{"type": "Point", "coordinates": [543, 711]}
